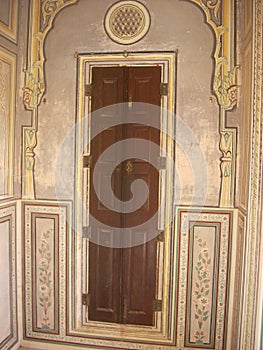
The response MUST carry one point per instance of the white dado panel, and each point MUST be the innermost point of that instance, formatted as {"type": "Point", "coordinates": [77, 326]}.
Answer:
{"type": "Point", "coordinates": [8, 276]}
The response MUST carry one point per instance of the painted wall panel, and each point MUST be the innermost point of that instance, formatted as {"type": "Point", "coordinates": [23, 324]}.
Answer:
{"type": "Point", "coordinates": [8, 277]}
{"type": "Point", "coordinates": [202, 282]}
{"type": "Point", "coordinates": [8, 19]}
{"type": "Point", "coordinates": [7, 119]}
{"type": "Point", "coordinates": [45, 234]}
{"type": "Point", "coordinates": [202, 268]}
{"type": "Point", "coordinates": [205, 243]}
{"type": "Point", "coordinates": [45, 230]}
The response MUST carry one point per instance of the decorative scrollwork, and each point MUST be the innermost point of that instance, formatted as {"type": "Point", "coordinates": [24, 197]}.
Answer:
{"type": "Point", "coordinates": [215, 7]}
{"type": "Point", "coordinates": [224, 83]}
{"type": "Point", "coordinates": [31, 92]}
{"type": "Point", "coordinates": [43, 13]}
{"type": "Point", "coordinates": [48, 7]}
{"type": "Point", "coordinates": [35, 82]}
{"type": "Point", "coordinates": [225, 87]}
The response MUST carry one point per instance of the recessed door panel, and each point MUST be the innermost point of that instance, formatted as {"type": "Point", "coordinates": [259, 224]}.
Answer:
{"type": "Point", "coordinates": [139, 281]}
{"type": "Point", "coordinates": [104, 276]}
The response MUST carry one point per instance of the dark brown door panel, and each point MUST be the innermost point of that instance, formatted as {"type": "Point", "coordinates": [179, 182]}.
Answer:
{"type": "Point", "coordinates": [122, 281]}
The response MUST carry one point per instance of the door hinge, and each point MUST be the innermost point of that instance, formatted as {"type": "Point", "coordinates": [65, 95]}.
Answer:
{"type": "Point", "coordinates": [157, 305]}
{"type": "Point", "coordinates": [164, 89]}
{"type": "Point", "coordinates": [160, 237]}
{"type": "Point", "coordinates": [162, 163]}
{"type": "Point", "coordinates": [85, 299]}
{"type": "Point", "coordinates": [87, 161]}
{"type": "Point", "coordinates": [88, 89]}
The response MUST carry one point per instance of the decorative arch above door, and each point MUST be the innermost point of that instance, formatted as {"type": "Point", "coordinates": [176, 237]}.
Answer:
{"type": "Point", "coordinates": [219, 16]}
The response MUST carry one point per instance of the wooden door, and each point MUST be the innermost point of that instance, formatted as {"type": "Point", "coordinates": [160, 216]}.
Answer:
{"type": "Point", "coordinates": [122, 282]}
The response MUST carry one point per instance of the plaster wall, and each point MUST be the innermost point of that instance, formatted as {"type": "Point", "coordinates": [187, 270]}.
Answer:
{"type": "Point", "coordinates": [175, 25]}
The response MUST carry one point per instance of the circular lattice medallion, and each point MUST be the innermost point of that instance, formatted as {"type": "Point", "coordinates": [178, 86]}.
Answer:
{"type": "Point", "coordinates": [127, 22]}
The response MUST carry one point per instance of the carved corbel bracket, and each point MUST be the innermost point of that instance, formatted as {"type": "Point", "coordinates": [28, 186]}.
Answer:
{"type": "Point", "coordinates": [220, 16]}
{"type": "Point", "coordinates": [42, 15]}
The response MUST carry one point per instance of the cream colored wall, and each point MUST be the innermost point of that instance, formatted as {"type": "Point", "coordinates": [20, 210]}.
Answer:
{"type": "Point", "coordinates": [175, 25]}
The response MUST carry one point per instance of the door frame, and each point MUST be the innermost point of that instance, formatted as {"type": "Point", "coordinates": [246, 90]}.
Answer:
{"type": "Point", "coordinates": [164, 328]}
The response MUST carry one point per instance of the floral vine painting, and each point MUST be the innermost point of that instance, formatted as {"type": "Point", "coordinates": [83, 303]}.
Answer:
{"type": "Point", "coordinates": [202, 290]}
{"type": "Point", "coordinates": [45, 279]}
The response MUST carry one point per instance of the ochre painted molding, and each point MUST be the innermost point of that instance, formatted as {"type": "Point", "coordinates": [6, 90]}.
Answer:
{"type": "Point", "coordinates": [42, 15]}
{"type": "Point", "coordinates": [220, 16]}
{"type": "Point", "coordinates": [253, 232]}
